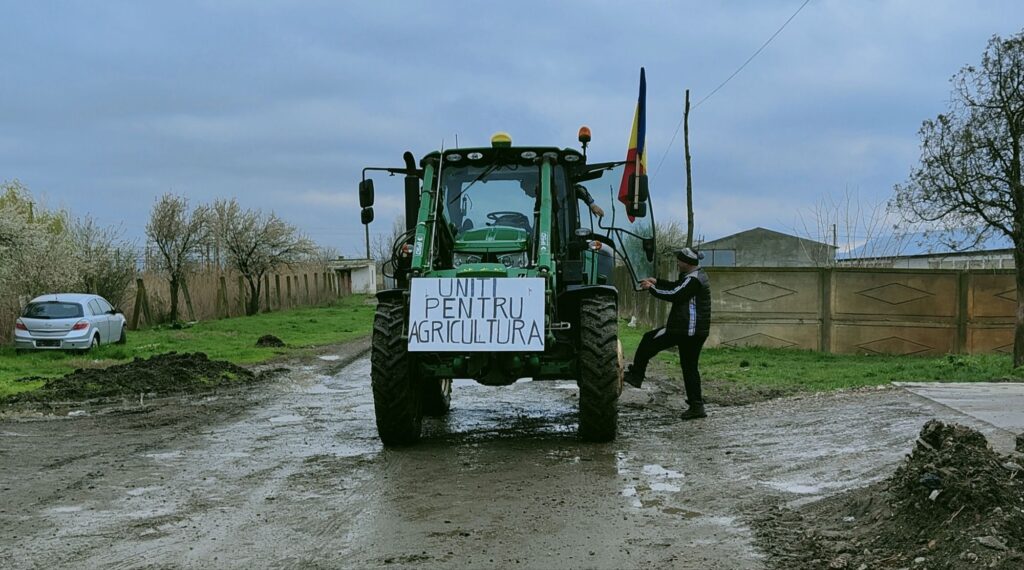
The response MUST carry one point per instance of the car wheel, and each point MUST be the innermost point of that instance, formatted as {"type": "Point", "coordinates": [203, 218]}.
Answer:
{"type": "Point", "coordinates": [95, 342]}
{"type": "Point", "coordinates": [124, 335]}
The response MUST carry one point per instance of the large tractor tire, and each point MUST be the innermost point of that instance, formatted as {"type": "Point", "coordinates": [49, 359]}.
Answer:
{"type": "Point", "coordinates": [600, 377]}
{"type": "Point", "coordinates": [436, 396]}
{"type": "Point", "coordinates": [396, 397]}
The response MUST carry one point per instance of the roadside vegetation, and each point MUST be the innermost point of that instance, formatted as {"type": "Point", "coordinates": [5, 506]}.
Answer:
{"type": "Point", "coordinates": [743, 375]}
{"type": "Point", "coordinates": [731, 375]}
{"type": "Point", "coordinates": [233, 340]}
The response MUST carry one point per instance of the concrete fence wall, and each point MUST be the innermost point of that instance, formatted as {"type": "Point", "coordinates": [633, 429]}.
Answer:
{"type": "Point", "coordinates": [881, 311]}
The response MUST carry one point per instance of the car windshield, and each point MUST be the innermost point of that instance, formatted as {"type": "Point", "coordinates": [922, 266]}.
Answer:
{"type": "Point", "coordinates": [52, 310]}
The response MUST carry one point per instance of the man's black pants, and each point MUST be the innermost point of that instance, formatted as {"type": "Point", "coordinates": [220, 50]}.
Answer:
{"type": "Point", "coordinates": [689, 347]}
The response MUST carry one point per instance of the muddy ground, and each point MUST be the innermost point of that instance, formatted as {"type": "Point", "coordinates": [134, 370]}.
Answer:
{"type": "Point", "coordinates": [289, 474]}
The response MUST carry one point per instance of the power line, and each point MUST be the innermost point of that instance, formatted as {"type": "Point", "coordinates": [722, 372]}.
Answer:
{"type": "Point", "coordinates": [727, 79]}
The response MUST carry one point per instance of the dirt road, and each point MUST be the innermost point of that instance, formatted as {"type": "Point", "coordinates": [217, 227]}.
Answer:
{"type": "Point", "coordinates": [290, 475]}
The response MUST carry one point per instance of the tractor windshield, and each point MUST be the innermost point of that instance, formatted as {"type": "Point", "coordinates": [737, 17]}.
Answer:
{"type": "Point", "coordinates": [634, 237]}
{"type": "Point", "coordinates": [495, 195]}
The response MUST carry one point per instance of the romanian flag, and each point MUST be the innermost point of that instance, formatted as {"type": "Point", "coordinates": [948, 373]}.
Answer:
{"type": "Point", "coordinates": [636, 156]}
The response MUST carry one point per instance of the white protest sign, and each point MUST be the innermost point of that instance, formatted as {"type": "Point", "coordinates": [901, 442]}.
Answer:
{"type": "Point", "coordinates": [459, 314]}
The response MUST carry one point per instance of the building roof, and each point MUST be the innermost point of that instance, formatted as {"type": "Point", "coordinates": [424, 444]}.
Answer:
{"type": "Point", "coordinates": [342, 263]}
{"type": "Point", "coordinates": [918, 244]}
{"type": "Point", "coordinates": [755, 232]}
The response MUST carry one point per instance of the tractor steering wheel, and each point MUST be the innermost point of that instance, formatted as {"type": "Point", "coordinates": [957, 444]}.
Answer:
{"type": "Point", "coordinates": [509, 218]}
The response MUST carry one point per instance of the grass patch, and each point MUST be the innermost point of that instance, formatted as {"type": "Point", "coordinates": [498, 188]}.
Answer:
{"type": "Point", "coordinates": [233, 340]}
{"type": "Point", "coordinates": [784, 371]}
{"type": "Point", "coordinates": [737, 375]}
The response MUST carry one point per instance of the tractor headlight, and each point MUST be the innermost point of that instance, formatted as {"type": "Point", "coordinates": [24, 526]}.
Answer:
{"type": "Point", "coordinates": [461, 258]}
{"type": "Point", "coordinates": [511, 260]}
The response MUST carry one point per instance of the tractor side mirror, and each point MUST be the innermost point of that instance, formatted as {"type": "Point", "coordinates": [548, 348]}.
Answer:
{"type": "Point", "coordinates": [366, 215]}
{"type": "Point", "coordinates": [637, 192]}
{"type": "Point", "coordinates": [648, 245]}
{"type": "Point", "coordinates": [366, 194]}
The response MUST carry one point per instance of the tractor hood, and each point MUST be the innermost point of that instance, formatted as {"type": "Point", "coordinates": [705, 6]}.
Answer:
{"type": "Point", "coordinates": [496, 239]}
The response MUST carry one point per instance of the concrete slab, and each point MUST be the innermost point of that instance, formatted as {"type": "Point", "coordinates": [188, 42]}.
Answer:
{"type": "Point", "coordinates": [1000, 404]}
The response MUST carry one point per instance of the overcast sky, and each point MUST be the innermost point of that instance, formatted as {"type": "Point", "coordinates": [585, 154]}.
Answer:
{"type": "Point", "coordinates": [106, 105]}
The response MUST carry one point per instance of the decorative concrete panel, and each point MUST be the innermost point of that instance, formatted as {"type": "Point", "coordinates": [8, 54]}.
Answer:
{"type": "Point", "coordinates": [766, 291]}
{"type": "Point", "coordinates": [992, 296]}
{"type": "Point", "coordinates": [770, 335]}
{"type": "Point", "coordinates": [982, 340]}
{"type": "Point", "coordinates": [895, 294]}
{"type": "Point", "coordinates": [868, 311]}
{"type": "Point", "coordinates": [888, 339]}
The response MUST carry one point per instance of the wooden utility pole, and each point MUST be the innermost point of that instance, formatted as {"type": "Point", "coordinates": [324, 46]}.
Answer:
{"type": "Point", "coordinates": [689, 179]}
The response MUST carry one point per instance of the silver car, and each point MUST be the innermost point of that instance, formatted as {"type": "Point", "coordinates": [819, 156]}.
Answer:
{"type": "Point", "coordinates": [71, 321]}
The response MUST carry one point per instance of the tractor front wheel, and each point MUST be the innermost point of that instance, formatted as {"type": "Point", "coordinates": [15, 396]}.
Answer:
{"type": "Point", "coordinates": [396, 399]}
{"type": "Point", "coordinates": [599, 369]}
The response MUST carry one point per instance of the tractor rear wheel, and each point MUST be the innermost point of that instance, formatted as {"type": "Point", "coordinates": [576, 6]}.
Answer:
{"type": "Point", "coordinates": [599, 368]}
{"type": "Point", "coordinates": [396, 399]}
{"type": "Point", "coordinates": [436, 396]}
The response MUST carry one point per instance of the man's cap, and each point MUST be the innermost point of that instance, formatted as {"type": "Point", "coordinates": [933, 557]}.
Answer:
{"type": "Point", "coordinates": [689, 255]}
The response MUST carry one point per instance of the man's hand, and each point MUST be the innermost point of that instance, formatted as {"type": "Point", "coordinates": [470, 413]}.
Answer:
{"type": "Point", "coordinates": [647, 283]}
{"type": "Point", "coordinates": [597, 210]}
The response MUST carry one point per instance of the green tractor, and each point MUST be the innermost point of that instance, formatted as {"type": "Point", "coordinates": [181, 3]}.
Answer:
{"type": "Point", "coordinates": [503, 273]}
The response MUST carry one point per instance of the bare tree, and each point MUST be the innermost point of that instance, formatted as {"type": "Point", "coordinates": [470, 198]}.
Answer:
{"type": "Point", "coordinates": [970, 181]}
{"type": "Point", "coordinates": [851, 223]}
{"type": "Point", "coordinates": [382, 245]}
{"type": "Point", "coordinates": [256, 243]}
{"type": "Point", "coordinates": [178, 234]}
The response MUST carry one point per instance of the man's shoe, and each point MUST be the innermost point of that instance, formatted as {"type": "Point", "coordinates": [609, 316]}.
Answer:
{"type": "Point", "coordinates": [632, 378]}
{"type": "Point", "coordinates": [694, 412]}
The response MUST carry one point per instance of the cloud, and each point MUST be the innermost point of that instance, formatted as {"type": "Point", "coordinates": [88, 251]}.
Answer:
{"type": "Point", "coordinates": [107, 106]}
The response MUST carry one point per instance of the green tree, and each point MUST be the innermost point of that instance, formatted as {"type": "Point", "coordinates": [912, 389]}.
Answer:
{"type": "Point", "coordinates": [969, 181]}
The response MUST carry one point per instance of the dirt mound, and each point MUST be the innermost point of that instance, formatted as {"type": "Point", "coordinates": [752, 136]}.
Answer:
{"type": "Point", "coordinates": [161, 374]}
{"type": "Point", "coordinates": [953, 503]}
{"type": "Point", "coordinates": [269, 340]}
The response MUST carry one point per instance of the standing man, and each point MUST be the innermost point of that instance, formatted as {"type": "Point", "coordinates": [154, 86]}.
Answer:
{"type": "Point", "coordinates": [688, 325]}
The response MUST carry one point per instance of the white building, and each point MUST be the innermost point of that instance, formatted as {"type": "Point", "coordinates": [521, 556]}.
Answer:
{"type": "Point", "coordinates": [355, 275]}
{"type": "Point", "coordinates": [919, 251]}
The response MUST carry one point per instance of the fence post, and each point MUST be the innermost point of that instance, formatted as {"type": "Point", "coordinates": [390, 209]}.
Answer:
{"type": "Point", "coordinates": [316, 285]}
{"type": "Point", "coordinates": [826, 274]}
{"type": "Point", "coordinates": [242, 296]}
{"type": "Point", "coordinates": [288, 288]}
{"type": "Point", "coordinates": [266, 290]}
{"type": "Point", "coordinates": [963, 295]}
{"type": "Point", "coordinates": [222, 298]}
{"type": "Point", "coordinates": [305, 279]}
{"type": "Point", "coordinates": [277, 291]}
{"type": "Point", "coordinates": [141, 304]}
{"type": "Point", "coordinates": [188, 299]}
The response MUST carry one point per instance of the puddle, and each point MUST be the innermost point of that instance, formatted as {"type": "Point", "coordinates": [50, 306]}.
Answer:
{"type": "Point", "coordinates": [665, 487]}
{"type": "Point", "coordinates": [686, 514]}
{"type": "Point", "coordinates": [809, 488]}
{"type": "Point", "coordinates": [566, 386]}
{"type": "Point", "coordinates": [286, 419]}
{"type": "Point", "coordinates": [166, 455]}
{"type": "Point", "coordinates": [141, 490]}
{"type": "Point", "coordinates": [659, 471]}
{"type": "Point", "coordinates": [329, 357]}
{"type": "Point", "coordinates": [322, 389]}
{"type": "Point", "coordinates": [65, 510]}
